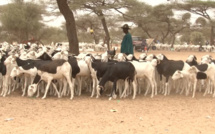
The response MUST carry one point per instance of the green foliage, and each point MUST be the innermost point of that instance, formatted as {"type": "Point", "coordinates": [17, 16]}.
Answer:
{"type": "Point", "coordinates": [197, 38]}
{"type": "Point", "coordinates": [201, 8]}
{"type": "Point", "coordinates": [83, 22]}
{"type": "Point", "coordinates": [22, 20]}
{"type": "Point", "coordinates": [185, 38]}
{"type": "Point", "coordinates": [86, 22]}
{"type": "Point", "coordinates": [186, 16]}
{"type": "Point", "coordinates": [51, 34]}
{"type": "Point", "coordinates": [116, 36]}
{"type": "Point", "coordinates": [201, 21]}
{"type": "Point", "coordinates": [162, 12]}
{"type": "Point", "coordinates": [138, 32]}
{"type": "Point", "coordinates": [200, 4]}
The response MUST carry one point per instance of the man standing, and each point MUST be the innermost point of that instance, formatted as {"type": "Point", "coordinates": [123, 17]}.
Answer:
{"type": "Point", "coordinates": [126, 45]}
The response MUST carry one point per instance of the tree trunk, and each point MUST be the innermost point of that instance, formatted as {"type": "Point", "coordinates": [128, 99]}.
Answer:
{"type": "Point", "coordinates": [173, 40]}
{"type": "Point", "coordinates": [106, 30]}
{"type": "Point", "coordinates": [70, 26]}
{"type": "Point", "coordinates": [162, 40]}
{"type": "Point", "coordinates": [212, 36]}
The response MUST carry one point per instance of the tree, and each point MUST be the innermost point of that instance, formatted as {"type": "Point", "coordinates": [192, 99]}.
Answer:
{"type": "Point", "coordinates": [197, 38]}
{"type": "Point", "coordinates": [139, 14]}
{"type": "Point", "coordinates": [101, 8]}
{"type": "Point", "coordinates": [200, 8]}
{"type": "Point", "coordinates": [21, 20]}
{"type": "Point", "coordinates": [88, 22]}
{"type": "Point", "coordinates": [157, 22]}
{"type": "Point", "coordinates": [185, 38]}
{"type": "Point", "coordinates": [70, 26]}
{"type": "Point", "coordinates": [51, 34]}
{"type": "Point", "coordinates": [201, 21]}
{"type": "Point", "coordinates": [163, 15]}
{"type": "Point", "coordinates": [179, 25]}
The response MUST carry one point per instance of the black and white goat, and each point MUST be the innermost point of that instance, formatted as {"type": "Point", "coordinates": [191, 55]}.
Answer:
{"type": "Point", "coordinates": [97, 70]}
{"type": "Point", "coordinates": [57, 69]}
{"type": "Point", "coordinates": [167, 68]}
{"type": "Point", "coordinates": [117, 71]}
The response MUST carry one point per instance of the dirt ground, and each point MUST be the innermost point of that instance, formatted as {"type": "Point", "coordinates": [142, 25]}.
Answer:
{"type": "Point", "coordinates": [173, 114]}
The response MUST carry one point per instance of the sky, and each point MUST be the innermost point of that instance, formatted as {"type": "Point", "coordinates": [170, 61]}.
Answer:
{"type": "Point", "coordinates": [3, 2]}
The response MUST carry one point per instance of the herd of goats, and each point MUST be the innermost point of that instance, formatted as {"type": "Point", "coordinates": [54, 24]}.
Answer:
{"type": "Point", "coordinates": [185, 47]}
{"type": "Point", "coordinates": [89, 47]}
{"type": "Point", "coordinates": [52, 70]}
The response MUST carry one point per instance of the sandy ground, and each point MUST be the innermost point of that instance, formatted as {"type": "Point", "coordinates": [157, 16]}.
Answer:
{"type": "Point", "coordinates": [173, 114]}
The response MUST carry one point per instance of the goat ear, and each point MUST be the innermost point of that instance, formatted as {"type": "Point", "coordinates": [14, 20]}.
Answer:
{"type": "Point", "coordinates": [158, 61]}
